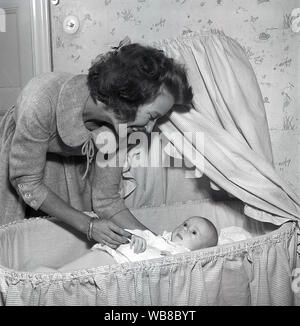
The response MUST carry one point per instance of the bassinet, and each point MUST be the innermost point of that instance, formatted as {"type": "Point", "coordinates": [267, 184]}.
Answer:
{"type": "Point", "coordinates": [253, 272]}
{"type": "Point", "coordinates": [228, 109]}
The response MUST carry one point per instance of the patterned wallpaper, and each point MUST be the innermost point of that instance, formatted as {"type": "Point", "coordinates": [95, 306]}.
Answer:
{"type": "Point", "coordinates": [262, 27]}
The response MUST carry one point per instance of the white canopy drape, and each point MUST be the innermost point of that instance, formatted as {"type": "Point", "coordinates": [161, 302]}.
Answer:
{"type": "Point", "coordinates": [228, 110]}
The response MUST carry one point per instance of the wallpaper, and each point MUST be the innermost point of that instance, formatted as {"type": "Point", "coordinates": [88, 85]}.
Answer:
{"type": "Point", "coordinates": [262, 27]}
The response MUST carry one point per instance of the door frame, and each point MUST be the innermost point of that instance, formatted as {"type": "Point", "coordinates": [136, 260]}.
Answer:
{"type": "Point", "coordinates": [41, 36]}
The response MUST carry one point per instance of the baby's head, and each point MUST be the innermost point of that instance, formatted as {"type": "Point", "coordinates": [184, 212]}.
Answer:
{"type": "Point", "coordinates": [195, 233]}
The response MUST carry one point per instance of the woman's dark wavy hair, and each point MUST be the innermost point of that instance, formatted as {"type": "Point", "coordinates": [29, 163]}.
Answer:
{"type": "Point", "coordinates": [132, 76]}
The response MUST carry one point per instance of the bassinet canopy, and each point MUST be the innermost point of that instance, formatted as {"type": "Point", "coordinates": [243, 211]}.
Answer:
{"type": "Point", "coordinates": [228, 109]}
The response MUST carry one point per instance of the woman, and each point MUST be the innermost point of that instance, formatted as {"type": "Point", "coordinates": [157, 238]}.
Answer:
{"type": "Point", "coordinates": [48, 134]}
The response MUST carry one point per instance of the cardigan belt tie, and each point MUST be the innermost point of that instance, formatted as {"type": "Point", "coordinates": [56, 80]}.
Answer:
{"type": "Point", "coordinates": [88, 150]}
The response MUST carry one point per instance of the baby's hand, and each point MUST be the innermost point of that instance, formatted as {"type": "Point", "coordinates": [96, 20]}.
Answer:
{"type": "Point", "coordinates": [138, 243]}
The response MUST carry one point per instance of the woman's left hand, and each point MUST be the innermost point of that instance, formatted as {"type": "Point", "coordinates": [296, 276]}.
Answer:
{"type": "Point", "coordinates": [108, 233]}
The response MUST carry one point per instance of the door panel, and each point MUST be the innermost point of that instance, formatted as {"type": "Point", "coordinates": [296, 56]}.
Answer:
{"type": "Point", "coordinates": [16, 51]}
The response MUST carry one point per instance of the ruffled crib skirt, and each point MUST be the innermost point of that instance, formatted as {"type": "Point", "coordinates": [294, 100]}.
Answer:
{"type": "Point", "coordinates": [253, 272]}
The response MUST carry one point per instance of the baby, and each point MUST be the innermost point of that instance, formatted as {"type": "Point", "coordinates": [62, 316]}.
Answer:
{"type": "Point", "coordinates": [193, 234]}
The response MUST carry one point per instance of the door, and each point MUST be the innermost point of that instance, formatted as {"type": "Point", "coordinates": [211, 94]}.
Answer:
{"type": "Point", "coordinates": [24, 46]}
{"type": "Point", "coordinates": [16, 51]}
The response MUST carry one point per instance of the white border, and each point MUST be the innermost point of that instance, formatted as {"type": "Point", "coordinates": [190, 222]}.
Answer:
{"type": "Point", "coordinates": [41, 36]}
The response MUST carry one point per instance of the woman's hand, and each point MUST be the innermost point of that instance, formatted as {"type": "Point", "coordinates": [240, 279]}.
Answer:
{"type": "Point", "coordinates": [108, 233]}
{"type": "Point", "coordinates": [138, 244]}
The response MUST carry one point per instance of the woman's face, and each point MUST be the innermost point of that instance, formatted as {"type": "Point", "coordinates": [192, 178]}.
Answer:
{"type": "Point", "coordinates": [148, 114]}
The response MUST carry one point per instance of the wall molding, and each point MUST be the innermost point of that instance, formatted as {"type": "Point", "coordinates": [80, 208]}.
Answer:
{"type": "Point", "coordinates": [41, 36]}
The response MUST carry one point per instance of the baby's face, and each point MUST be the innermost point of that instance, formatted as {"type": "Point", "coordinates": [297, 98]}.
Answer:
{"type": "Point", "coordinates": [194, 233]}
